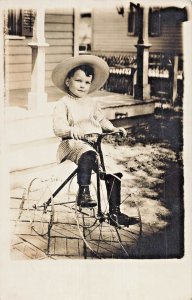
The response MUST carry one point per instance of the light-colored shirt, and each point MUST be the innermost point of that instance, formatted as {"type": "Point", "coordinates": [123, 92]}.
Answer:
{"type": "Point", "coordinates": [83, 113]}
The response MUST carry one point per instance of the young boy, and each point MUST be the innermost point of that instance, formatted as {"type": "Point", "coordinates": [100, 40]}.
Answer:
{"type": "Point", "coordinates": [77, 114]}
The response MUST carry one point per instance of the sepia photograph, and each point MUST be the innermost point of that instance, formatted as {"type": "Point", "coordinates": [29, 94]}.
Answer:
{"type": "Point", "coordinates": [92, 137]}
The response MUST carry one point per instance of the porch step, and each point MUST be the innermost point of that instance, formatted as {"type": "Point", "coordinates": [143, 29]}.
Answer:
{"type": "Point", "coordinates": [32, 154]}
{"type": "Point", "coordinates": [20, 180]}
{"type": "Point", "coordinates": [31, 139]}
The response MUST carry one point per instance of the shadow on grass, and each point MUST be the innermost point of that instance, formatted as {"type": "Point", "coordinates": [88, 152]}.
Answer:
{"type": "Point", "coordinates": [163, 131]}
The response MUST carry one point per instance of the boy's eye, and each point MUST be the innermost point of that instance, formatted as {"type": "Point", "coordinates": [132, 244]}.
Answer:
{"type": "Point", "coordinates": [86, 82]}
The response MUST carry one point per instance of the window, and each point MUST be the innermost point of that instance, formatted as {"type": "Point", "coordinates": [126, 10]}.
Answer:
{"type": "Point", "coordinates": [20, 22]}
{"type": "Point", "coordinates": [133, 21]}
{"type": "Point", "coordinates": [85, 32]}
{"type": "Point", "coordinates": [154, 22]}
{"type": "Point", "coordinates": [169, 16]}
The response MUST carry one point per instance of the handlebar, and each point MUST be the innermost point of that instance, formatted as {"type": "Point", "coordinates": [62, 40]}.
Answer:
{"type": "Point", "coordinates": [93, 138]}
{"type": "Point", "coordinates": [102, 134]}
{"type": "Point", "coordinates": [97, 137]}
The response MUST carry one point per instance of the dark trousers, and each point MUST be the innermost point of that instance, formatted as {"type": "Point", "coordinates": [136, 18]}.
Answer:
{"type": "Point", "coordinates": [86, 164]}
{"type": "Point", "coordinates": [113, 185]}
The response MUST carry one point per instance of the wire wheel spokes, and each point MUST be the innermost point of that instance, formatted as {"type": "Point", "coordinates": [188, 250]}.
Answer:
{"type": "Point", "coordinates": [22, 215]}
{"type": "Point", "coordinates": [130, 235]}
{"type": "Point", "coordinates": [101, 239]}
{"type": "Point", "coordinates": [87, 219]}
{"type": "Point", "coordinates": [41, 215]}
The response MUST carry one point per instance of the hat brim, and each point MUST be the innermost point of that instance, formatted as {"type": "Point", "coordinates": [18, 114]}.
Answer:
{"type": "Point", "coordinates": [100, 67]}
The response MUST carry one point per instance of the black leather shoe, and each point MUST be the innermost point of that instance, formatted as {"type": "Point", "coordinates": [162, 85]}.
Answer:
{"type": "Point", "coordinates": [84, 198]}
{"type": "Point", "coordinates": [117, 218]}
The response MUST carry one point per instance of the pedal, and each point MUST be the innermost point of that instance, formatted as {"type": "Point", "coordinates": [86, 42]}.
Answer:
{"type": "Point", "coordinates": [101, 217]}
{"type": "Point", "coordinates": [114, 222]}
{"type": "Point", "coordinates": [102, 175]}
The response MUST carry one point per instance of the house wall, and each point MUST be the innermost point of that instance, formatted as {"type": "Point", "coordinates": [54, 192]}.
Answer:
{"type": "Point", "coordinates": [18, 64]}
{"type": "Point", "coordinates": [59, 34]}
{"type": "Point", "coordinates": [110, 35]}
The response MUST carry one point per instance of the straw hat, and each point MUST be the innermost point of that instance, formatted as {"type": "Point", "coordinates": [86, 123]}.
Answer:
{"type": "Point", "coordinates": [100, 67]}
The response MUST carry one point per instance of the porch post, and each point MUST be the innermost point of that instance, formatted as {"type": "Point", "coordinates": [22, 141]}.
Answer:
{"type": "Point", "coordinates": [37, 98]}
{"type": "Point", "coordinates": [142, 87]}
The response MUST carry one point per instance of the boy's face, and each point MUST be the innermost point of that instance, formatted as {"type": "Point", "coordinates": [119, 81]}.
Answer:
{"type": "Point", "coordinates": [79, 84]}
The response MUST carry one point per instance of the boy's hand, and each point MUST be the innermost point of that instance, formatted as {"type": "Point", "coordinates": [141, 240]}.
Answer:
{"type": "Point", "coordinates": [121, 130]}
{"type": "Point", "coordinates": [77, 133]}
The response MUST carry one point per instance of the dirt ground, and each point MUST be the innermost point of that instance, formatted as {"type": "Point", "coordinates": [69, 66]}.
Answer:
{"type": "Point", "coordinates": [151, 160]}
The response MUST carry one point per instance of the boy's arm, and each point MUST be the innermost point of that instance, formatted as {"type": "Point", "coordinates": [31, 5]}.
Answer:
{"type": "Point", "coordinates": [61, 126]}
{"type": "Point", "coordinates": [104, 122]}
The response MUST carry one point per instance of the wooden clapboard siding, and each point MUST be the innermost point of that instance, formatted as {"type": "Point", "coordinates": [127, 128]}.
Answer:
{"type": "Point", "coordinates": [60, 42]}
{"type": "Point", "coordinates": [17, 85]}
{"type": "Point", "coordinates": [15, 50]}
{"type": "Point", "coordinates": [22, 76]}
{"type": "Point", "coordinates": [110, 34]}
{"type": "Point", "coordinates": [170, 39]}
{"type": "Point", "coordinates": [19, 59]}
{"type": "Point", "coordinates": [58, 27]}
{"type": "Point", "coordinates": [61, 11]}
{"type": "Point", "coordinates": [58, 19]}
{"type": "Point", "coordinates": [59, 49]}
{"type": "Point", "coordinates": [18, 43]}
{"type": "Point", "coordinates": [18, 63]}
{"type": "Point", "coordinates": [55, 58]}
{"type": "Point", "coordinates": [50, 66]}
{"type": "Point", "coordinates": [15, 68]}
{"type": "Point", "coordinates": [59, 34]}
{"type": "Point", "coordinates": [48, 74]}
{"type": "Point", "coordinates": [48, 82]}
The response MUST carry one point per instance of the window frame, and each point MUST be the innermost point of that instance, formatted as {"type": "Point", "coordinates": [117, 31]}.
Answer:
{"type": "Point", "coordinates": [132, 26]}
{"type": "Point", "coordinates": [20, 23]}
{"type": "Point", "coordinates": [154, 22]}
{"type": "Point", "coordinates": [134, 22]}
